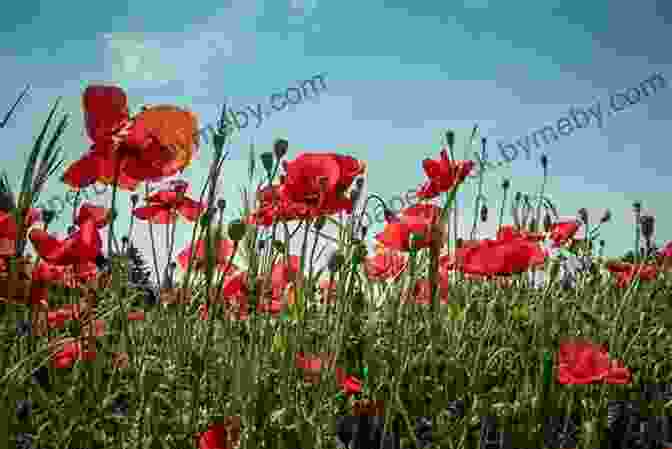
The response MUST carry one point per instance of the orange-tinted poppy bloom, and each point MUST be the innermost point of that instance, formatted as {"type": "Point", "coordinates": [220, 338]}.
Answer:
{"type": "Point", "coordinates": [158, 142]}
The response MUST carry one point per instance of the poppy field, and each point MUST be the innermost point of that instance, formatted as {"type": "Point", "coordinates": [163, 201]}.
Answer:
{"type": "Point", "coordinates": [415, 337]}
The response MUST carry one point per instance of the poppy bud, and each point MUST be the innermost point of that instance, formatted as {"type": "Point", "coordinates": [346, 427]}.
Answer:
{"type": "Point", "coordinates": [544, 161]}
{"type": "Point", "coordinates": [484, 213]}
{"type": "Point", "coordinates": [506, 184]}
{"type": "Point", "coordinates": [606, 217]}
{"type": "Point", "coordinates": [602, 243]}
{"type": "Point", "coordinates": [267, 161]}
{"type": "Point", "coordinates": [359, 183]}
{"type": "Point", "coordinates": [134, 199]}
{"type": "Point", "coordinates": [335, 261]}
{"type": "Point", "coordinates": [647, 222]}
{"type": "Point", "coordinates": [364, 231]}
{"type": "Point", "coordinates": [583, 215]}
{"type": "Point", "coordinates": [261, 244]}
{"type": "Point", "coordinates": [48, 216]}
{"type": "Point", "coordinates": [320, 222]}
{"type": "Point", "coordinates": [237, 230]}
{"type": "Point", "coordinates": [355, 194]}
{"type": "Point", "coordinates": [548, 223]}
{"type": "Point", "coordinates": [221, 204]}
{"type": "Point", "coordinates": [280, 148]}
{"type": "Point", "coordinates": [637, 207]}
{"type": "Point", "coordinates": [518, 197]}
{"type": "Point", "coordinates": [450, 139]}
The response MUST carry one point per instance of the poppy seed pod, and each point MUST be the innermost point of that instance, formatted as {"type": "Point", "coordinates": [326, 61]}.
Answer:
{"type": "Point", "coordinates": [484, 213]}
{"type": "Point", "coordinates": [48, 216]}
{"type": "Point", "coordinates": [647, 222]}
{"type": "Point", "coordinates": [583, 215]}
{"type": "Point", "coordinates": [237, 230]}
{"type": "Point", "coordinates": [450, 139]}
{"type": "Point", "coordinates": [606, 217]}
{"type": "Point", "coordinates": [267, 161]}
{"type": "Point", "coordinates": [280, 148]}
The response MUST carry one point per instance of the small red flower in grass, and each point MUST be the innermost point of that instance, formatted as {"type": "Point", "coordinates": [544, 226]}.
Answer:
{"type": "Point", "coordinates": [164, 206]}
{"type": "Point", "coordinates": [626, 272]}
{"type": "Point", "coordinates": [311, 364]}
{"type": "Point", "coordinates": [444, 175]}
{"type": "Point", "coordinates": [222, 435]}
{"type": "Point", "coordinates": [136, 315]}
{"type": "Point", "coordinates": [583, 362]}
{"type": "Point", "coordinates": [69, 350]}
{"type": "Point", "coordinates": [348, 383]}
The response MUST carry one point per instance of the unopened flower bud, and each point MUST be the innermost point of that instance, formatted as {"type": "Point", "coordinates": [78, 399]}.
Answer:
{"type": "Point", "coordinates": [647, 222]}
{"type": "Point", "coordinates": [221, 204]}
{"type": "Point", "coordinates": [506, 184]}
{"type": "Point", "coordinates": [583, 215]}
{"type": "Point", "coordinates": [268, 161]}
{"type": "Point", "coordinates": [280, 148]}
{"type": "Point", "coordinates": [637, 207]}
{"type": "Point", "coordinates": [450, 139]}
{"type": "Point", "coordinates": [134, 199]}
{"type": "Point", "coordinates": [359, 183]}
{"type": "Point", "coordinates": [544, 161]}
{"type": "Point", "coordinates": [606, 217]}
{"type": "Point", "coordinates": [48, 216]}
{"type": "Point", "coordinates": [484, 213]}
{"type": "Point", "coordinates": [237, 230]}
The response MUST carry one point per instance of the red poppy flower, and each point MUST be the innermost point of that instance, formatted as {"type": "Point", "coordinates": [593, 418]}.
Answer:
{"type": "Point", "coordinates": [418, 220]}
{"type": "Point", "coordinates": [234, 297]}
{"type": "Point", "coordinates": [422, 291]}
{"type": "Point", "coordinates": [667, 250]}
{"type": "Point", "coordinates": [321, 179]}
{"type": "Point", "coordinates": [164, 206]}
{"type": "Point", "coordinates": [329, 291]}
{"type": "Point", "coordinates": [9, 230]}
{"type": "Point", "coordinates": [222, 256]}
{"type": "Point", "coordinates": [499, 257]}
{"type": "Point", "coordinates": [312, 364]}
{"type": "Point", "coordinates": [157, 142]}
{"type": "Point", "coordinates": [583, 362]}
{"type": "Point", "coordinates": [563, 231]}
{"type": "Point", "coordinates": [223, 435]}
{"type": "Point", "coordinates": [444, 175]}
{"type": "Point", "coordinates": [385, 264]}
{"type": "Point", "coordinates": [68, 351]}
{"type": "Point", "coordinates": [509, 232]}
{"type": "Point", "coordinates": [348, 383]}
{"type": "Point", "coordinates": [136, 315]}
{"type": "Point", "coordinates": [626, 272]}
{"type": "Point", "coordinates": [84, 245]}
{"type": "Point", "coordinates": [99, 214]}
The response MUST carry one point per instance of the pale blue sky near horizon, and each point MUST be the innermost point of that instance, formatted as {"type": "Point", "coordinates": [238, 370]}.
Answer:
{"type": "Point", "coordinates": [397, 76]}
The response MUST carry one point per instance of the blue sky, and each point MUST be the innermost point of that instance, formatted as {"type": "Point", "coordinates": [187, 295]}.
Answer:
{"type": "Point", "coordinates": [397, 77]}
